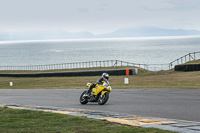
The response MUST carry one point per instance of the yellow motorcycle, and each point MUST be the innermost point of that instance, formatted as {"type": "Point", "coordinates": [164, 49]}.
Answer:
{"type": "Point", "coordinates": [98, 94]}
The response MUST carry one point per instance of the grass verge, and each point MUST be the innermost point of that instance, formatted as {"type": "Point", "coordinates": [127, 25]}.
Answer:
{"type": "Point", "coordinates": [164, 79]}
{"type": "Point", "coordinates": [19, 121]}
{"type": "Point", "coordinates": [145, 79]}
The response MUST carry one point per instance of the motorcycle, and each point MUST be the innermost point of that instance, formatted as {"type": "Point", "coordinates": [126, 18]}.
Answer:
{"type": "Point", "coordinates": [98, 94]}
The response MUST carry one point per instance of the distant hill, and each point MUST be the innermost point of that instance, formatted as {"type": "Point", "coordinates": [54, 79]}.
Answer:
{"type": "Point", "coordinates": [150, 32]}
{"type": "Point", "coordinates": [123, 32]}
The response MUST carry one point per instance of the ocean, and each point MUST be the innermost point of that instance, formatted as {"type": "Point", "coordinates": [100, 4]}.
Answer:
{"type": "Point", "coordinates": [161, 50]}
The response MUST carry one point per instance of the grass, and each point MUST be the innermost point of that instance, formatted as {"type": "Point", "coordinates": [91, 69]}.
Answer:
{"type": "Point", "coordinates": [21, 121]}
{"type": "Point", "coordinates": [65, 70]}
{"type": "Point", "coordinates": [145, 79]}
{"type": "Point", "coordinates": [193, 62]}
{"type": "Point", "coordinates": [164, 79]}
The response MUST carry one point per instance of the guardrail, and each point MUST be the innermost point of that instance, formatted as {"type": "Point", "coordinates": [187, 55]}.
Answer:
{"type": "Point", "coordinates": [184, 59]}
{"type": "Point", "coordinates": [105, 63]}
{"type": "Point", "coordinates": [90, 64]}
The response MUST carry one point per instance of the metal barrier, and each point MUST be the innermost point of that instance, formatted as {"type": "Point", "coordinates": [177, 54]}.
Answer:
{"type": "Point", "coordinates": [105, 63]}
{"type": "Point", "coordinates": [184, 59]}
{"type": "Point", "coordinates": [90, 64]}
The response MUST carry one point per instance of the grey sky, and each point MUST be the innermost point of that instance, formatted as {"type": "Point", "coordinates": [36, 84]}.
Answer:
{"type": "Point", "coordinates": [97, 16]}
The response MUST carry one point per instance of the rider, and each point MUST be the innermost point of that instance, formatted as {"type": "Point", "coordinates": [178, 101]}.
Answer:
{"type": "Point", "coordinates": [104, 77]}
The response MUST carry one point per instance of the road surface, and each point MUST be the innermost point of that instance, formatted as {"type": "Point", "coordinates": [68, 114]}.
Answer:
{"type": "Point", "coordinates": [182, 104]}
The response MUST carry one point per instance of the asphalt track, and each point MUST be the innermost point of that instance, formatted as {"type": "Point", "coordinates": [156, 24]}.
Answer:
{"type": "Point", "coordinates": [182, 104]}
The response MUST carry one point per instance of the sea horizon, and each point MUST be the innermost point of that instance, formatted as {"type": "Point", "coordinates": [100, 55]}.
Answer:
{"type": "Point", "coordinates": [107, 39]}
{"type": "Point", "coordinates": [138, 50]}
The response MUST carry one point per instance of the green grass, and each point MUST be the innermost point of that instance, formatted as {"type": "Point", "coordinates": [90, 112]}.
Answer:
{"type": "Point", "coordinates": [193, 62]}
{"type": "Point", "coordinates": [25, 121]}
{"type": "Point", "coordinates": [165, 79]}
{"type": "Point", "coordinates": [145, 79]}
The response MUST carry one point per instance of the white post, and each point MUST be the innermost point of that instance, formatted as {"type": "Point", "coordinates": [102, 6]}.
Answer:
{"type": "Point", "coordinates": [126, 81]}
{"type": "Point", "coordinates": [11, 83]}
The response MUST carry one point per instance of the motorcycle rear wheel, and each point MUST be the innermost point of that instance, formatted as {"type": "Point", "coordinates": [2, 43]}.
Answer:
{"type": "Point", "coordinates": [83, 100]}
{"type": "Point", "coordinates": [103, 98]}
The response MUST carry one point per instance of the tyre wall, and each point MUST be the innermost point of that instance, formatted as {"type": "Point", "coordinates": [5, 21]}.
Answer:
{"type": "Point", "coordinates": [73, 73]}
{"type": "Point", "coordinates": [189, 67]}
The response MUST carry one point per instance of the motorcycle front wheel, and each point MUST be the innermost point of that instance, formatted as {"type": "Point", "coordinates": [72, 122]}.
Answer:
{"type": "Point", "coordinates": [83, 98]}
{"type": "Point", "coordinates": [103, 98]}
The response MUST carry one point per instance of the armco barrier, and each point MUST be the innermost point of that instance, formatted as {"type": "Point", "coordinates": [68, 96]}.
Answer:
{"type": "Point", "coordinates": [189, 67]}
{"type": "Point", "coordinates": [72, 73]}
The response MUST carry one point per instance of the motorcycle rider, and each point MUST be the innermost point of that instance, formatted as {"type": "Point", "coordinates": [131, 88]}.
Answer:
{"type": "Point", "coordinates": [104, 77]}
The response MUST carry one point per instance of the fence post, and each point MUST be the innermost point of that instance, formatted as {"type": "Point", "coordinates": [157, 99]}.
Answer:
{"type": "Point", "coordinates": [189, 56]}
{"type": "Point", "coordinates": [185, 58]}
{"type": "Point", "coordinates": [181, 61]}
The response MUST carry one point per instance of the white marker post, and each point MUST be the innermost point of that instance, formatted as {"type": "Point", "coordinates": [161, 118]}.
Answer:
{"type": "Point", "coordinates": [126, 81]}
{"type": "Point", "coordinates": [11, 83]}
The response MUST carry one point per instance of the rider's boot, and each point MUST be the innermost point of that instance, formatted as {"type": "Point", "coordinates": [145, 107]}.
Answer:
{"type": "Point", "coordinates": [90, 93]}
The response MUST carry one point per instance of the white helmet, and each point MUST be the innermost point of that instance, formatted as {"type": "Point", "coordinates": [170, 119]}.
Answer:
{"type": "Point", "coordinates": [105, 76]}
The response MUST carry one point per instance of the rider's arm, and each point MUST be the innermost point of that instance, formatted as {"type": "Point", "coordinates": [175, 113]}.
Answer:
{"type": "Point", "coordinates": [99, 81]}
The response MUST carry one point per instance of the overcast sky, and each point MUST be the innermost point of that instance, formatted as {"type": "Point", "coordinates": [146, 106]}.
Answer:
{"type": "Point", "coordinates": [97, 16]}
